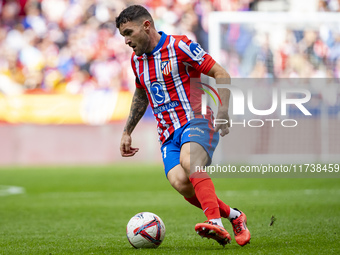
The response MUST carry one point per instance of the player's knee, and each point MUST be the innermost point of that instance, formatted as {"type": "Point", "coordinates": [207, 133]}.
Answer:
{"type": "Point", "coordinates": [179, 180]}
{"type": "Point", "coordinates": [185, 163]}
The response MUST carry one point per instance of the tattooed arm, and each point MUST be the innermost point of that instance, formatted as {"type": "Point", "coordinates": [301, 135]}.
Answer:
{"type": "Point", "coordinates": [138, 107]}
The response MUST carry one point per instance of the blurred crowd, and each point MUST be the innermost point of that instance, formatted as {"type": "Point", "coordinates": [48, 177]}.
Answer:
{"type": "Point", "coordinates": [73, 46]}
{"type": "Point", "coordinates": [329, 5]}
{"type": "Point", "coordinates": [310, 53]}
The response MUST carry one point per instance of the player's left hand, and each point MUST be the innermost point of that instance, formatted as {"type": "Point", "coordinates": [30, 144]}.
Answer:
{"type": "Point", "coordinates": [223, 127]}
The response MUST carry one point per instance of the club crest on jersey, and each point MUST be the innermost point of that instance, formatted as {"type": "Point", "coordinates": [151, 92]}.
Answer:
{"type": "Point", "coordinates": [166, 67]}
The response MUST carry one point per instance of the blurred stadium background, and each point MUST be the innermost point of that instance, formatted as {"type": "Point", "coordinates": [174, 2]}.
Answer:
{"type": "Point", "coordinates": [66, 81]}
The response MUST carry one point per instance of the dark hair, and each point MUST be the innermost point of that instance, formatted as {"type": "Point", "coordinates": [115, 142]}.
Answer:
{"type": "Point", "coordinates": [132, 13]}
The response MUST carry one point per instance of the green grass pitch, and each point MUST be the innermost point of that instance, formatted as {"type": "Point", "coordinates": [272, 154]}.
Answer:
{"type": "Point", "coordinates": [84, 210]}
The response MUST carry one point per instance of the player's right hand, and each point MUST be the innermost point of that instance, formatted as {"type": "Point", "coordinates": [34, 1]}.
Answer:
{"type": "Point", "coordinates": [125, 146]}
{"type": "Point", "coordinates": [223, 114]}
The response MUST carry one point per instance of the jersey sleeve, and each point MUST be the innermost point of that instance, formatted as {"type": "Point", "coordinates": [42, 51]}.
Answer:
{"type": "Point", "coordinates": [193, 54]}
{"type": "Point", "coordinates": [137, 82]}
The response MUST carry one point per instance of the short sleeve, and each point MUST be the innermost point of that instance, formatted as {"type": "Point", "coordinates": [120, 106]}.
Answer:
{"type": "Point", "coordinates": [137, 81]}
{"type": "Point", "coordinates": [193, 54]}
{"type": "Point", "coordinates": [138, 84]}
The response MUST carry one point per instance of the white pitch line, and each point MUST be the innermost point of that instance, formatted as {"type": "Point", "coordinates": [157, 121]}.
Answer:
{"type": "Point", "coordinates": [6, 190]}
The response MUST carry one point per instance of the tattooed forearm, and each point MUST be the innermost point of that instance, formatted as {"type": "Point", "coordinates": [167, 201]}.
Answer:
{"type": "Point", "coordinates": [138, 107]}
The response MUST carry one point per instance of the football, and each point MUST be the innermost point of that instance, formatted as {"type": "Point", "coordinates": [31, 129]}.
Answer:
{"type": "Point", "coordinates": [145, 230]}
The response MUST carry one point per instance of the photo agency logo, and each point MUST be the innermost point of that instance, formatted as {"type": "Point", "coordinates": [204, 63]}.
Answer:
{"type": "Point", "coordinates": [204, 97]}
{"type": "Point", "coordinates": [280, 99]}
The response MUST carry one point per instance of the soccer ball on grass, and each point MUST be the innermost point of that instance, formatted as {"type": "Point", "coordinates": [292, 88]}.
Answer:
{"type": "Point", "coordinates": [145, 230]}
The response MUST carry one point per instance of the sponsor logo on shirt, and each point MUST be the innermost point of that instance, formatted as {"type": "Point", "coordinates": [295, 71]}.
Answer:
{"type": "Point", "coordinates": [197, 129]}
{"type": "Point", "coordinates": [156, 90]}
{"type": "Point", "coordinates": [196, 50]}
{"type": "Point", "coordinates": [191, 135]}
{"type": "Point", "coordinates": [166, 107]}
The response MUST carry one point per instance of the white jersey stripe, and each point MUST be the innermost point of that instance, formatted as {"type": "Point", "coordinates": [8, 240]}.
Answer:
{"type": "Point", "coordinates": [178, 82]}
{"type": "Point", "coordinates": [147, 79]}
{"type": "Point", "coordinates": [135, 59]}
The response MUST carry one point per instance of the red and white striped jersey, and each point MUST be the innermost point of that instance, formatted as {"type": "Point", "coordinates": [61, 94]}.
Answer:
{"type": "Point", "coordinates": [165, 75]}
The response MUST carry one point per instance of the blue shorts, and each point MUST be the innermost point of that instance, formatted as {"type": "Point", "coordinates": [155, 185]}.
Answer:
{"type": "Point", "coordinates": [196, 130]}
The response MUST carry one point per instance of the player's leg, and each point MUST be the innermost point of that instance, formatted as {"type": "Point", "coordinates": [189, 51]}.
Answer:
{"type": "Point", "coordinates": [205, 193]}
{"type": "Point", "coordinates": [196, 141]}
{"type": "Point", "coordinates": [193, 154]}
{"type": "Point", "coordinates": [173, 170]}
{"type": "Point", "coordinates": [178, 178]}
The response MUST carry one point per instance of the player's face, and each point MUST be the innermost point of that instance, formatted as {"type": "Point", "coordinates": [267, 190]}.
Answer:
{"type": "Point", "coordinates": [135, 36]}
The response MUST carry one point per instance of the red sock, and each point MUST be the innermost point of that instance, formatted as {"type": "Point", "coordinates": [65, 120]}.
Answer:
{"type": "Point", "coordinates": [224, 208]}
{"type": "Point", "coordinates": [194, 201]}
{"type": "Point", "coordinates": [205, 192]}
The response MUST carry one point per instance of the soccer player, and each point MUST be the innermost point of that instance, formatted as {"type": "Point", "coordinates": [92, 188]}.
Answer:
{"type": "Point", "coordinates": [163, 65]}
